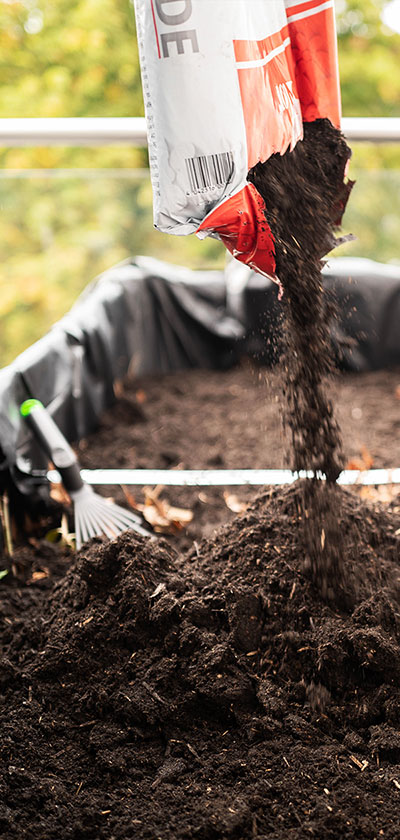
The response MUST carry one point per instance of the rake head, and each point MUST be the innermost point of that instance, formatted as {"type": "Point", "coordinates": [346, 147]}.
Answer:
{"type": "Point", "coordinates": [95, 516]}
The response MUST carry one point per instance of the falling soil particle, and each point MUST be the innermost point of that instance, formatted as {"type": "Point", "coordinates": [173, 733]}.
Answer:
{"type": "Point", "coordinates": [305, 195]}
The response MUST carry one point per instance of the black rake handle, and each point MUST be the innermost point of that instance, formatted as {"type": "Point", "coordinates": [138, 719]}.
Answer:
{"type": "Point", "coordinates": [53, 443]}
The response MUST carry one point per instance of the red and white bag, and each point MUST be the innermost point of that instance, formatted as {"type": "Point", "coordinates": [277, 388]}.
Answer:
{"type": "Point", "coordinates": [226, 84]}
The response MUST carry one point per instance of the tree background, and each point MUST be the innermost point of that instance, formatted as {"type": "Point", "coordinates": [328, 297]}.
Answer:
{"type": "Point", "coordinates": [68, 214]}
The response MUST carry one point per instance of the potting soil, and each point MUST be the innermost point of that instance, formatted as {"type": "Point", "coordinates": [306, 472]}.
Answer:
{"type": "Point", "coordinates": [210, 695]}
{"type": "Point", "coordinates": [305, 195]}
{"type": "Point", "coordinates": [228, 691]}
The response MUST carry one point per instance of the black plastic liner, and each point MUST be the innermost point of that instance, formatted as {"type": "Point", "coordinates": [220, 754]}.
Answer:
{"type": "Point", "coordinates": [365, 334]}
{"type": "Point", "coordinates": [368, 304]}
{"type": "Point", "coordinates": [145, 316]}
{"type": "Point", "coordinates": [141, 316]}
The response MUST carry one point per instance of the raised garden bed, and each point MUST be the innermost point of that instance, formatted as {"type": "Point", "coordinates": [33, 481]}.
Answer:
{"type": "Point", "coordinates": [199, 686]}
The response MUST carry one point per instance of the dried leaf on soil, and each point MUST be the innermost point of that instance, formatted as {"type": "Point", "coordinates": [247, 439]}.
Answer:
{"type": "Point", "coordinates": [118, 389]}
{"type": "Point", "coordinates": [162, 516]}
{"type": "Point", "coordinates": [59, 494]}
{"type": "Point", "coordinates": [364, 462]}
{"type": "Point", "coordinates": [382, 493]}
{"type": "Point", "coordinates": [234, 504]}
{"type": "Point", "coordinates": [129, 497]}
{"type": "Point", "coordinates": [141, 396]}
{"type": "Point", "coordinates": [42, 574]}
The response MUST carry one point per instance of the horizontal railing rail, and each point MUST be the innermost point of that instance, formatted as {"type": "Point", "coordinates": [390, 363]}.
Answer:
{"type": "Point", "coordinates": [73, 131]}
{"type": "Point", "coordinates": [92, 174]}
{"type": "Point", "coordinates": [104, 131]}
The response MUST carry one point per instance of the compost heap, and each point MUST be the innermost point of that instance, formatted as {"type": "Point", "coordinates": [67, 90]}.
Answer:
{"type": "Point", "coordinates": [215, 694]}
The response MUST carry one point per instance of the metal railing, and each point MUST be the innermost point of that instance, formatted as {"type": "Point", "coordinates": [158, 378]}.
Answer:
{"type": "Point", "coordinates": [104, 131]}
{"type": "Point", "coordinates": [73, 131]}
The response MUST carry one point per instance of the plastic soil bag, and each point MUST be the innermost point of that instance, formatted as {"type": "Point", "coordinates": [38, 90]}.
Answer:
{"type": "Point", "coordinates": [226, 84]}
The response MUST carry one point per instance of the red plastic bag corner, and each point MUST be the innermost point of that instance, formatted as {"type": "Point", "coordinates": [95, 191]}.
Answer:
{"type": "Point", "coordinates": [242, 226]}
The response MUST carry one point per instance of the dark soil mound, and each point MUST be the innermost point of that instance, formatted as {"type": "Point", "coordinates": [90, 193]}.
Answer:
{"type": "Point", "coordinates": [209, 696]}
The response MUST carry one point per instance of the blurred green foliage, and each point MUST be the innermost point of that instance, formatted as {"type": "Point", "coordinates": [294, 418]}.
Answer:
{"type": "Point", "coordinates": [68, 58]}
{"type": "Point", "coordinates": [79, 58]}
{"type": "Point", "coordinates": [57, 233]}
{"type": "Point", "coordinates": [369, 60]}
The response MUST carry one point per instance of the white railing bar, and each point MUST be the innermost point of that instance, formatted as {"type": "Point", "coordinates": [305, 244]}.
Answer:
{"type": "Point", "coordinates": [219, 478]}
{"type": "Point", "coordinates": [104, 131]}
{"type": "Point", "coordinates": [372, 129]}
{"type": "Point", "coordinates": [76, 172]}
{"type": "Point", "coordinates": [73, 131]}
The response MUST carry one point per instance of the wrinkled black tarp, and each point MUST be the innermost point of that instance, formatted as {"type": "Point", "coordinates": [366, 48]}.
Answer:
{"type": "Point", "coordinates": [144, 316]}
{"type": "Point", "coordinates": [141, 316]}
{"type": "Point", "coordinates": [366, 332]}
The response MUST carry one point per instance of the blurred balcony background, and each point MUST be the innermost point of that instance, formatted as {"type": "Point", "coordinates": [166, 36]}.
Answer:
{"type": "Point", "coordinates": [60, 227]}
{"type": "Point", "coordinates": [75, 194]}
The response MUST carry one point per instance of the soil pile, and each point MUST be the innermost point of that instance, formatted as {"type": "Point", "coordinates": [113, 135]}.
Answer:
{"type": "Point", "coordinates": [209, 696]}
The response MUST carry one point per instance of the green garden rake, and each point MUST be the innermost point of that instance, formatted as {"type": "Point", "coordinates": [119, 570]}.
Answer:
{"type": "Point", "coordinates": [93, 515]}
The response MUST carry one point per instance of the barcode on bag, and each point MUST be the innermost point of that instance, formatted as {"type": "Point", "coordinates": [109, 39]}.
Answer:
{"type": "Point", "coordinates": [208, 171]}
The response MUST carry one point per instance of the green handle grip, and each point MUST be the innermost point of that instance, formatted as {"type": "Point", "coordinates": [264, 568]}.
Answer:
{"type": "Point", "coordinates": [53, 443]}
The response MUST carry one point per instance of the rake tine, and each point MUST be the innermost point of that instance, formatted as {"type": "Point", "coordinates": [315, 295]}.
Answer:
{"type": "Point", "coordinates": [119, 519]}
{"type": "Point", "coordinates": [78, 529]}
{"type": "Point", "coordinates": [126, 522]}
{"type": "Point", "coordinates": [93, 522]}
{"type": "Point", "coordinates": [104, 526]}
{"type": "Point", "coordinates": [99, 502]}
{"type": "Point", "coordinates": [87, 529]}
{"type": "Point", "coordinates": [117, 515]}
{"type": "Point", "coordinates": [92, 514]}
{"type": "Point", "coordinates": [81, 530]}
